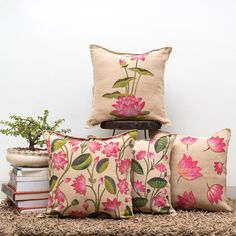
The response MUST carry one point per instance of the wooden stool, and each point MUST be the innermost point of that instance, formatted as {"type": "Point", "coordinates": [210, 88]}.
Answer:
{"type": "Point", "coordinates": [131, 124]}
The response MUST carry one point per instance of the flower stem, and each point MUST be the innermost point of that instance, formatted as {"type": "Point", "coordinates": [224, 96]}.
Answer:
{"type": "Point", "coordinates": [136, 86]}
{"type": "Point", "coordinates": [134, 77]}
{"type": "Point", "coordinates": [179, 179]}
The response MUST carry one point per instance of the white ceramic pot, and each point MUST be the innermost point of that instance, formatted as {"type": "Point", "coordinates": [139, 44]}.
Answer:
{"type": "Point", "coordinates": [26, 158]}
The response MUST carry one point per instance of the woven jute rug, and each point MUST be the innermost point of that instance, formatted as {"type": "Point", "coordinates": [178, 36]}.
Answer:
{"type": "Point", "coordinates": [183, 223]}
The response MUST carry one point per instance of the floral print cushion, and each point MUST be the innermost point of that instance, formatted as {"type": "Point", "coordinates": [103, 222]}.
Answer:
{"type": "Point", "coordinates": [90, 177]}
{"type": "Point", "coordinates": [128, 86]}
{"type": "Point", "coordinates": [150, 175]}
{"type": "Point", "coordinates": [198, 171]}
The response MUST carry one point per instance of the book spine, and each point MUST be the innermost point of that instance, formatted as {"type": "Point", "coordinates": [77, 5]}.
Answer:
{"type": "Point", "coordinates": [5, 189]}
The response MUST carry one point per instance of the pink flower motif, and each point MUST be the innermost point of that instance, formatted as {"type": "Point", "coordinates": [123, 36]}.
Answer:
{"type": "Point", "coordinates": [77, 214]}
{"type": "Point", "coordinates": [159, 201]}
{"type": "Point", "coordinates": [139, 186]}
{"type": "Point", "coordinates": [128, 106]}
{"type": "Point", "coordinates": [50, 201]}
{"type": "Point", "coordinates": [59, 160]}
{"type": "Point", "coordinates": [111, 149]}
{"type": "Point", "coordinates": [218, 167]}
{"type": "Point", "coordinates": [124, 166]}
{"type": "Point", "coordinates": [100, 181]}
{"type": "Point", "coordinates": [123, 186]}
{"type": "Point", "coordinates": [214, 193]}
{"type": "Point", "coordinates": [59, 196]}
{"type": "Point", "coordinates": [79, 185]}
{"type": "Point", "coordinates": [186, 201]}
{"type": "Point", "coordinates": [160, 167]}
{"type": "Point", "coordinates": [111, 205]}
{"type": "Point", "coordinates": [165, 158]}
{"type": "Point", "coordinates": [216, 144]}
{"type": "Point", "coordinates": [75, 149]}
{"type": "Point", "coordinates": [67, 180]}
{"type": "Point", "coordinates": [85, 205]}
{"type": "Point", "coordinates": [188, 168]}
{"type": "Point", "coordinates": [164, 191]}
{"type": "Point", "coordinates": [140, 155]}
{"type": "Point", "coordinates": [126, 199]}
{"type": "Point", "coordinates": [96, 159]}
{"type": "Point", "coordinates": [94, 146]}
{"type": "Point", "coordinates": [122, 63]}
{"type": "Point", "coordinates": [151, 155]}
{"type": "Point", "coordinates": [75, 142]}
{"type": "Point", "coordinates": [60, 206]}
{"type": "Point", "coordinates": [138, 57]}
{"type": "Point", "coordinates": [188, 141]}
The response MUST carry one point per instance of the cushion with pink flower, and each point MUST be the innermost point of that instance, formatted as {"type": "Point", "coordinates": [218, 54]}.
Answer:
{"type": "Point", "coordinates": [198, 171]}
{"type": "Point", "coordinates": [150, 174]}
{"type": "Point", "coordinates": [90, 177]}
{"type": "Point", "coordinates": [128, 86]}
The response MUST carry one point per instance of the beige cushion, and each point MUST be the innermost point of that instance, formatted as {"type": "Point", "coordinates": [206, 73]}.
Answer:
{"type": "Point", "coordinates": [128, 86]}
{"type": "Point", "coordinates": [198, 171]}
{"type": "Point", "coordinates": [90, 177]}
{"type": "Point", "coordinates": [150, 175]}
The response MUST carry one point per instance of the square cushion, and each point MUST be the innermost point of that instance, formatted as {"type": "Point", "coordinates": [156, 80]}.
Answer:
{"type": "Point", "coordinates": [198, 171]}
{"type": "Point", "coordinates": [90, 177]}
{"type": "Point", "coordinates": [150, 174]}
{"type": "Point", "coordinates": [128, 86]}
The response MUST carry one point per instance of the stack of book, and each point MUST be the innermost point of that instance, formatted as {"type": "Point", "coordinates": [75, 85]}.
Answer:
{"type": "Point", "coordinates": [28, 189]}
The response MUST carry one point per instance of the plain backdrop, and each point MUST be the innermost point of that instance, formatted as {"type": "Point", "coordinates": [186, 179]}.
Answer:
{"type": "Point", "coordinates": [45, 60]}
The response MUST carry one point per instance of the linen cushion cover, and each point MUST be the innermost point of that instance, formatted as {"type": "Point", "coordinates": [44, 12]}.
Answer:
{"type": "Point", "coordinates": [198, 171]}
{"type": "Point", "coordinates": [128, 86]}
{"type": "Point", "coordinates": [150, 174]}
{"type": "Point", "coordinates": [90, 177]}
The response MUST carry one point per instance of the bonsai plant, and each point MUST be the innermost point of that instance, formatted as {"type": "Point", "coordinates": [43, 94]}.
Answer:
{"type": "Point", "coordinates": [30, 129]}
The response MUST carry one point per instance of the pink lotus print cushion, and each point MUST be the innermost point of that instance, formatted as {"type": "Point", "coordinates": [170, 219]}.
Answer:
{"type": "Point", "coordinates": [90, 177]}
{"type": "Point", "coordinates": [198, 171]}
{"type": "Point", "coordinates": [150, 174]}
{"type": "Point", "coordinates": [128, 86]}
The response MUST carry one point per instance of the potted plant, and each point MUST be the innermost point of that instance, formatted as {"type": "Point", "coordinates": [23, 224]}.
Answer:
{"type": "Point", "coordinates": [30, 129]}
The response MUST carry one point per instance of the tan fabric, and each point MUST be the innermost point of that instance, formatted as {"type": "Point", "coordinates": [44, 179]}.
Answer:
{"type": "Point", "coordinates": [198, 171]}
{"type": "Point", "coordinates": [90, 177]}
{"type": "Point", "coordinates": [150, 174]}
{"type": "Point", "coordinates": [119, 93]}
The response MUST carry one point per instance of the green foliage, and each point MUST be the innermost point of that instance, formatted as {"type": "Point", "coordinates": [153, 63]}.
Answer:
{"type": "Point", "coordinates": [31, 129]}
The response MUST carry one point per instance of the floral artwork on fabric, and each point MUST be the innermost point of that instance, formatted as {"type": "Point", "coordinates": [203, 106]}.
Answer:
{"type": "Point", "coordinates": [127, 104]}
{"type": "Point", "coordinates": [90, 177]}
{"type": "Point", "coordinates": [150, 176]}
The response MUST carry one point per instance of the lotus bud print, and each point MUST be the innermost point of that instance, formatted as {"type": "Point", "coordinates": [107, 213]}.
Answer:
{"type": "Point", "coordinates": [188, 141]}
{"type": "Point", "coordinates": [127, 104]}
{"type": "Point", "coordinates": [186, 201]}
{"type": "Point", "coordinates": [216, 144]}
{"type": "Point", "coordinates": [214, 193]}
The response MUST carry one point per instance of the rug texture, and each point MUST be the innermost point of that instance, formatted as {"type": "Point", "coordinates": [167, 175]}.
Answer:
{"type": "Point", "coordinates": [183, 223]}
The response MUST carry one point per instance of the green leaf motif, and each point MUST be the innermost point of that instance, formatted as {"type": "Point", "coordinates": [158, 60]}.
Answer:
{"type": "Point", "coordinates": [157, 182]}
{"type": "Point", "coordinates": [57, 144]}
{"type": "Point", "coordinates": [136, 167]}
{"type": "Point", "coordinates": [128, 212]}
{"type": "Point", "coordinates": [165, 210]}
{"type": "Point", "coordinates": [52, 182]}
{"type": "Point", "coordinates": [141, 71]}
{"type": "Point", "coordinates": [110, 185]}
{"type": "Point", "coordinates": [102, 165]}
{"type": "Point", "coordinates": [115, 94]}
{"type": "Point", "coordinates": [161, 144]}
{"type": "Point", "coordinates": [82, 162]}
{"type": "Point", "coordinates": [139, 202]}
{"type": "Point", "coordinates": [120, 83]}
{"type": "Point", "coordinates": [74, 202]}
{"type": "Point", "coordinates": [133, 134]}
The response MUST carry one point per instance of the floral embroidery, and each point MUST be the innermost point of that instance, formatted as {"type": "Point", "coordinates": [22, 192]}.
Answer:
{"type": "Point", "coordinates": [188, 168]}
{"type": "Point", "coordinates": [216, 144]}
{"type": "Point", "coordinates": [123, 186]}
{"type": "Point", "coordinates": [218, 167]}
{"type": "Point", "coordinates": [111, 149]}
{"type": "Point", "coordinates": [124, 165]}
{"type": "Point", "coordinates": [214, 193]}
{"type": "Point", "coordinates": [94, 146]}
{"type": "Point", "coordinates": [59, 196]}
{"type": "Point", "coordinates": [79, 185]}
{"type": "Point", "coordinates": [59, 160]}
{"type": "Point", "coordinates": [149, 176]}
{"type": "Point", "coordinates": [186, 201]}
{"type": "Point", "coordinates": [111, 205]}
{"type": "Point", "coordinates": [127, 105]}
{"type": "Point", "coordinates": [188, 141]}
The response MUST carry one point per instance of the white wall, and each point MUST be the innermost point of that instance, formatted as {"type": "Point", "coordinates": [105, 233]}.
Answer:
{"type": "Point", "coordinates": [45, 61]}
